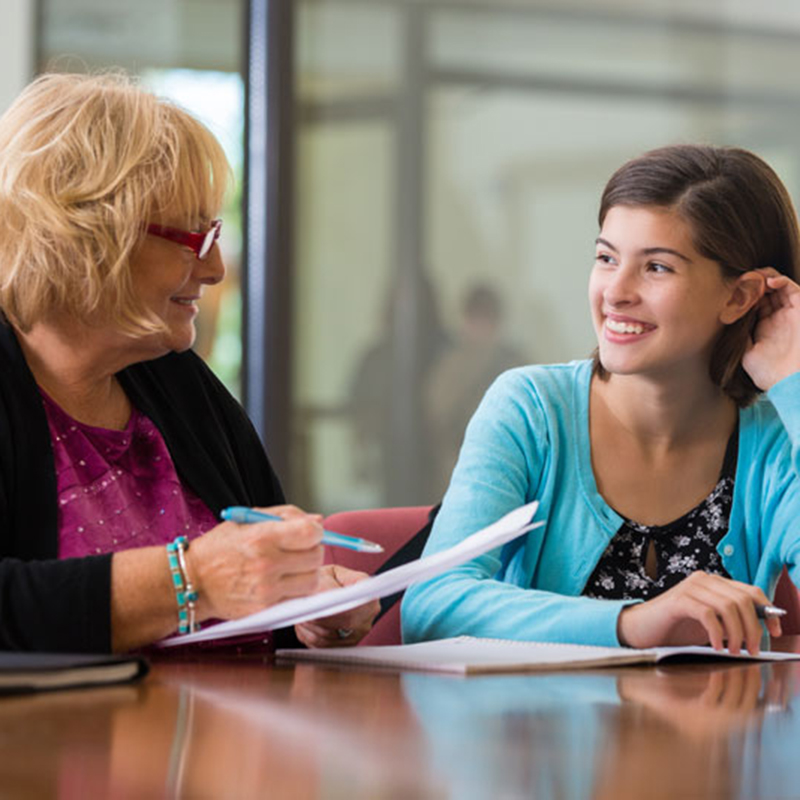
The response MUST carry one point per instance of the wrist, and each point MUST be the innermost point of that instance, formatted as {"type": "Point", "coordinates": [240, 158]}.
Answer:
{"type": "Point", "coordinates": [625, 626]}
{"type": "Point", "coordinates": [194, 568]}
{"type": "Point", "coordinates": [780, 375]}
{"type": "Point", "coordinates": [621, 633]}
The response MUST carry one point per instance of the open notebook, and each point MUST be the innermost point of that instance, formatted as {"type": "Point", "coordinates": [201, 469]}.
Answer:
{"type": "Point", "coordinates": [466, 655]}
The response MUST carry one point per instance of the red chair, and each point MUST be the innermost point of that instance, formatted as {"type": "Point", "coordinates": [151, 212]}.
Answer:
{"type": "Point", "coordinates": [787, 596]}
{"type": "Point", "coordinates": [390, 527]}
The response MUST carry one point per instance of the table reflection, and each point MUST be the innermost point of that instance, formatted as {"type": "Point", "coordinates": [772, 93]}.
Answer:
{"type": "Point", "coordinates": [628, 733]}
{"type": "Point", "coordinates": [300, 733]}
{"type": "Point", "coordinates": [244, 728]}
{"type": "Point", "coordinates": [684, 733]}
{"type": "Point", "coordinates": [217, 730]}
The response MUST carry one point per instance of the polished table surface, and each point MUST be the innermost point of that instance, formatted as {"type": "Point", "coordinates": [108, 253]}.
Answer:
{"type": "Point", "coordinates": [243, 727]}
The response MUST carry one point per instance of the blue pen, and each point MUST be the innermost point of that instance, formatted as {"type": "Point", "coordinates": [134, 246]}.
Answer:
{"type": "Point", "coordinates": [242, 514]}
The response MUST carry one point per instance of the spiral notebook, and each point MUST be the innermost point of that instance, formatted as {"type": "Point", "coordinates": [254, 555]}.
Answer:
{"type": "Point", "coordinates": [466, 655]}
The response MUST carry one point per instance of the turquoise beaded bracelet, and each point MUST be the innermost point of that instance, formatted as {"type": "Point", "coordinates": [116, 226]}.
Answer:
{"type": "Point", "coordinates": [185, 593]}
{"type": "Point", "coordinates": [190, 593]}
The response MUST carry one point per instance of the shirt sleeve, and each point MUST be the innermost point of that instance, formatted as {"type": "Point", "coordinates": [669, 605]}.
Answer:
{"type": "Point", "coordinates": [506, 450]}
{"type": "Point", "coordinates": [56, 606]}
{"type": "Point", "coordinates": [780, 503]}
{"type": "Point", "coordinates": [785, 396]}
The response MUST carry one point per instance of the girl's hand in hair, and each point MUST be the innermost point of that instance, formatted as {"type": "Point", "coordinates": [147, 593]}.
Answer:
{"type": "Point", "coordinates": [774, 352]}
{"type": "Point", "coordinates": [701, 609]}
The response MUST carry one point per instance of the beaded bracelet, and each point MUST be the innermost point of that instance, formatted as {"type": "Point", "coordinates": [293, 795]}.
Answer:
{"type": "Point", "coordinates": [185, 593]}
{"type": "Point", "coordinates": [182, 544]}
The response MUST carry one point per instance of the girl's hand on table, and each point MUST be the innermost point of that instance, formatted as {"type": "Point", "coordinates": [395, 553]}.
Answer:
{"type": "Point", "coordinates": [701, 609]}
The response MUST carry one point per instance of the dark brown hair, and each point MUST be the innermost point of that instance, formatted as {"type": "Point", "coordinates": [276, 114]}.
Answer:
{"type": "Point", "coordinates": [741, 216]}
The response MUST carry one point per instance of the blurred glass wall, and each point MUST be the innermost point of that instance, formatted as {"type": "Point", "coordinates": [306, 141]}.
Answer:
{"type": "Point", "coordinates": [450, 160]}
{"type": "Point", "coordinates": [192, 52]}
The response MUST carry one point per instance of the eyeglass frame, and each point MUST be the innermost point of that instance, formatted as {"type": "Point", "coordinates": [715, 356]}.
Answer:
{"type": "Point", "coordinates": [199, 243]}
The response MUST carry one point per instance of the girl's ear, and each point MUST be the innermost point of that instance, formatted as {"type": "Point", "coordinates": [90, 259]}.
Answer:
{"type": "Point", "coordinates": [747, 290]}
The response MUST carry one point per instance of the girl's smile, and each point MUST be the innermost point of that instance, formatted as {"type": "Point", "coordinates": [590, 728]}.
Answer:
{"type": "Point", "coordinates": [623, 329]}
{"type": "Point", "coordinates": [656, 302]}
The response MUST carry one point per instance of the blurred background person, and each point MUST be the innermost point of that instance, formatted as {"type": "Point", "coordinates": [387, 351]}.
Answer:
{"type": "Point", "coordinates": [375, 394]}
{"type": "Point", "coordinates": [459, 378]}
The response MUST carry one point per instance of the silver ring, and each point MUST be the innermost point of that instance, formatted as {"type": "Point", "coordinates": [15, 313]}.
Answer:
{"type": "Point", "coordinates": [344, 633]}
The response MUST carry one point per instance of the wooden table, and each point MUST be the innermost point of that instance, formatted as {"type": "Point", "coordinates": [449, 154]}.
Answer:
{"type": "Point", "coordinates": [242, 728]}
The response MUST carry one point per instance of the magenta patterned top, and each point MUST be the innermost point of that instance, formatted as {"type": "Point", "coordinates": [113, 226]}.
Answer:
{"type": "Point", "coordinates": [118, 489]}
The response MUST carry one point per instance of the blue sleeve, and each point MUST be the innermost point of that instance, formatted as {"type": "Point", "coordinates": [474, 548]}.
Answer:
{"type": "Point", "coordinates": [781, 504]}
{"type": "Point", "coordinates": [507, 453]}
{"type": "Point", "coordinates": [785, 396]}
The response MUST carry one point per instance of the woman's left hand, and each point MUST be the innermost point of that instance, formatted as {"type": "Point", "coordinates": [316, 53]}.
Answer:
{"type": "Point", "coordinates": [347, 628]}
{"type": "Point", "coordinates": [775, 350]}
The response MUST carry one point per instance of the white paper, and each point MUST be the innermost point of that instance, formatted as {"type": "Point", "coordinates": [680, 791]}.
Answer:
{"type": "Point", "coordinates": [334, 601]}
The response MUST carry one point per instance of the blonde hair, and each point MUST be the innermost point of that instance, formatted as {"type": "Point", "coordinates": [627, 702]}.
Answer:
{"type": "Point", "coordinates": [85, 163]}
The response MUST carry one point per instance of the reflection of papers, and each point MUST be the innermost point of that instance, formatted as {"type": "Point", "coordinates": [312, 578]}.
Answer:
{"type": "Point", "coordinates": [335, 601]}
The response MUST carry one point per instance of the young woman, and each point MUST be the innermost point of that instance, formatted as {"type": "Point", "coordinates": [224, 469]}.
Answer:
{"type": "Point", "coordinates": [667, 467]}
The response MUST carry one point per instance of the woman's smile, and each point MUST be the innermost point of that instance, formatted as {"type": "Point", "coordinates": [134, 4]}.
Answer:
{"type": "Point", "coordinates": [169, 280]}
{"type": "Point", "coordinates": [189, 303]}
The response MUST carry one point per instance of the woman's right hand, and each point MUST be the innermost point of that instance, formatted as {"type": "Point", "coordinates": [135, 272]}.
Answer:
{"type": "Point", "coordinates": [701, 609]}
{"type": "Point", "coordinates": [240, 569]}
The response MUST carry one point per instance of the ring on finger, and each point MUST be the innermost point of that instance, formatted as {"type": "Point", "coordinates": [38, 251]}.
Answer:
{"type": "Point", "coordinates": [344, 633]}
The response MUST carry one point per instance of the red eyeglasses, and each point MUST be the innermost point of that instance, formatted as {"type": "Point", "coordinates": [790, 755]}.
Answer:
{"type": "Point", "coordinates": [199, 243]}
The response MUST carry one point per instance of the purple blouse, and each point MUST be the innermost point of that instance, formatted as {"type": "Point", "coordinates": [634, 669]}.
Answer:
{"type": "Point", "coordinates": [118, 489]}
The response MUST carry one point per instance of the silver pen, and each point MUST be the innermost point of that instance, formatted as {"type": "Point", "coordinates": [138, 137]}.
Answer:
{"type": "Point", "coordinates": [768, 612]}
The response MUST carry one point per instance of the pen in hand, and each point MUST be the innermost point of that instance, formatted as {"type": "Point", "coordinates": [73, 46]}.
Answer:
{"type": "Point", "coordinates": [242, 514]}
{"type": "Point", "coordinates": [768, 612]}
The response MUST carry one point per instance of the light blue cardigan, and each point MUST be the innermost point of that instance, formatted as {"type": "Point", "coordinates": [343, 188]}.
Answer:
{"type": "Point", "coordinates": [528, 440]}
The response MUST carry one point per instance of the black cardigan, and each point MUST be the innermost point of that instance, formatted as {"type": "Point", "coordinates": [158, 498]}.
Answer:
{"type": "Point", "coordinates": [65, 605]}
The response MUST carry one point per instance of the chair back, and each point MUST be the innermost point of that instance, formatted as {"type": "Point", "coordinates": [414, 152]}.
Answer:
{"type": "Point", "coordinates": [389, 527]}
{"type": "Point", "coordinates": [787, 596]}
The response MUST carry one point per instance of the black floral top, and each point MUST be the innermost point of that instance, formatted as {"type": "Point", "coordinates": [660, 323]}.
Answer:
{"type": "Point", "coordinates": [684, 546]}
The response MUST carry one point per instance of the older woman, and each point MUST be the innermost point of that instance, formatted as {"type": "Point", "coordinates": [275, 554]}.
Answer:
{"type": "Point", "coordinates": [115, 438]}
